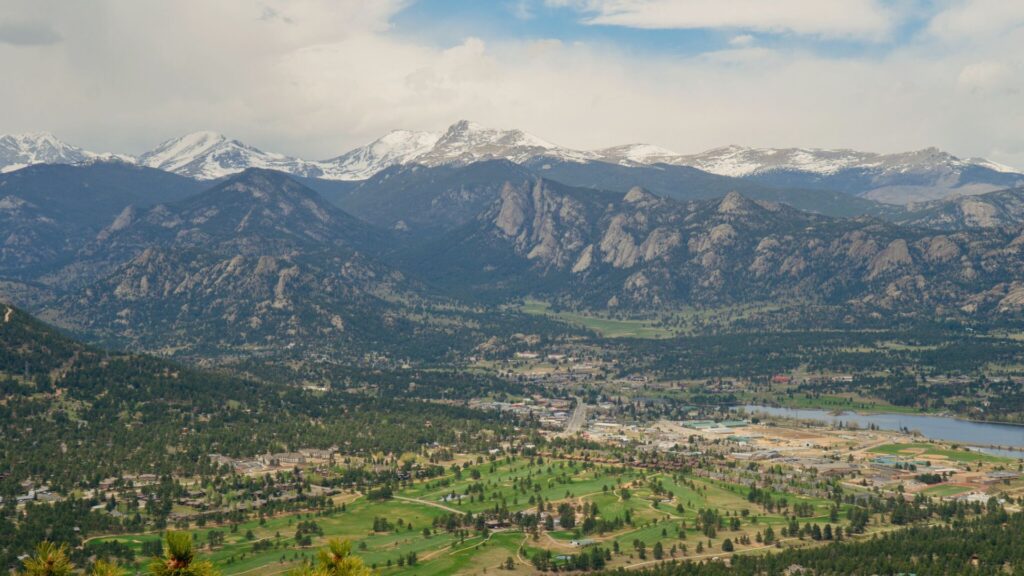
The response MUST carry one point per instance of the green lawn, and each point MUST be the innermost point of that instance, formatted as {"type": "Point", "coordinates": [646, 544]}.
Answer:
{"type": "Point", "coordinates": [859, 404]}
{"type": "Point", "coordinates": [604, 326]}
{"type": "Point", "coordinates": [924, 450]}
{"type": "Point", "coordinates": [943, 490]}
{"type": "Point", "coordinates": [503, 485]}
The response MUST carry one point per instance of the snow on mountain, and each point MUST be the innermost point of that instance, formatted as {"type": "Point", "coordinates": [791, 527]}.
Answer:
{"type": "Point", "coordinates": [462, 143]}
{"type": "Point", "coordinates": [996, 166]}
{"type": "Point", "coordinates": [209, 155]}
{"type": "Point", "coordinates": [395, 147]}
{"type": "Point", "coordinates": [739, 161]}
{"type": "Point", "coordinates": [906, 177]}
{"type": "Point", "coordinates": [465, 142]}
{"type": "Point", "coordinates": [20, 150]}
{"type": "Point", "coordinates": [633, 154]}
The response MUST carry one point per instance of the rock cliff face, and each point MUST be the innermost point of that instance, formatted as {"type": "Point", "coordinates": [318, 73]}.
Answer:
{"type": "Point", "coordinates": [260, 261]}
{"type": "Point", "coordinates": [419, 201]}
{"type": "Point", "coordinates": [546, 227]}
{"type": "Point", "coordinates": [640, 250]}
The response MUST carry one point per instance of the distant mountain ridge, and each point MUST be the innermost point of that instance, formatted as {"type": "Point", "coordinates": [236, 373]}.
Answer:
{"type": "Point", "coordinates": [259, 263]}
{"type": "Point", "coordinates": [20, 150]}
{"type": "Point", "coordinates": [1000, 209]}
{"type": "Point", "coordinates": [49, 211]}
{"type": "Point", "coordinates": [209, 155]}
{"type": "Point", "coordinates": [900, 178]}
{"type": "Point", "coordinates": [257, 259]}
{"type": "Point", "coordinates": [640, 251]}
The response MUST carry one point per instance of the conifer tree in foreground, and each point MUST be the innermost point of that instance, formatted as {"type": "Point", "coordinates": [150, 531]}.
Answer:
{"type": "Point", "coordinates": [336, 559]}
{"type": "Point", "coordinates": [49, 560]}
{"type": "Point", "coordinates": [52, 560]}
{"type": "Point", "coordinates": [179, 559]}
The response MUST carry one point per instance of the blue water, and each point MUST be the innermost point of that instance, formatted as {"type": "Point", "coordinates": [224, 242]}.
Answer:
{"type": "Point", "coordinates": [934, 427]}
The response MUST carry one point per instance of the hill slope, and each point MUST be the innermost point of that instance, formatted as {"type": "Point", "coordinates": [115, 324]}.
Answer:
{"type": "Point", "coordinates": [644, 251]}
{"type": "Point", "coordinates": [1003, 208]}
{"type": "Point", "coordinates": [128, 413]}
{"type": "Point", "coordinates": [48, 211]}
{"type": "Point", "coordinates": [258, 259]}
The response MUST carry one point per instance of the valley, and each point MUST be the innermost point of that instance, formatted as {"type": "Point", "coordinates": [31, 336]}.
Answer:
{"type": "Point", "coordinates": [604, 326]}
{"type": "Point", "coordinates": [459, 363]}
{"type": "Point", "coordinates": [524, 288]}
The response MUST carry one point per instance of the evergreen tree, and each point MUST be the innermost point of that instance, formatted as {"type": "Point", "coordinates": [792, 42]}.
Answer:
{"type": "Point", "coordinates": [49, 560]}
{"type": "Point", "coordinates": [179, 558]}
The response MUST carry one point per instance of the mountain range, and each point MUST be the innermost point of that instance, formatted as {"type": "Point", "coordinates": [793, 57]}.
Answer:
{"type": "Point", "coordinates": [642, 251]}
{"type": "Point", "coordinates": [255, 255]}
{"type": "Point", "coordinates": [422, 258]}
{"type": "Point", "coordinates": [902, 178]}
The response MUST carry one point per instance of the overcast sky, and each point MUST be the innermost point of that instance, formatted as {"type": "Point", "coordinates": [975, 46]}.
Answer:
{"type": "Point", "coordinates": [314, 78]}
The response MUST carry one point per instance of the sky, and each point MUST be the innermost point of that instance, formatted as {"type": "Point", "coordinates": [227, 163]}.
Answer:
{"type": "Point", "coordinates": [314, 78]}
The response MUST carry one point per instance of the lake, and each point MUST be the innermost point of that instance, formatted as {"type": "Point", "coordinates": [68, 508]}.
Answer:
{"type": "Point", "coordinates": [982, 434]}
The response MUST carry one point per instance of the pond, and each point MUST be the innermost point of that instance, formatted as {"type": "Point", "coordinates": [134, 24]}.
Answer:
{"type": "Point", "coordinates": [992, 438]}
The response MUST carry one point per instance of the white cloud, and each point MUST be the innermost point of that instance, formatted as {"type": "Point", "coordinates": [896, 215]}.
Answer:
{"type": "Point", "coordinates": [314, 78]}
{"type": "Point", "coordinates": [987, 77]}
{"type": "Point", "coordinates": [741, 40]}
{"type": "Point", "coordinates": [521, 9]}
{"type": "Point", "coordinates": [977, 19]}
{"type": "Point", "coordinates": [862, 19]}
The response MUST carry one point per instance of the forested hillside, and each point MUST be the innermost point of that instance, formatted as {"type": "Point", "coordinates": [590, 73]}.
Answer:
{"type": "Point", "coordinates": [120, 413]}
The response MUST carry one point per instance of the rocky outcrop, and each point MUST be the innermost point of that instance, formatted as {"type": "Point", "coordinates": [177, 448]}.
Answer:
{"type": "Point", "coordinates": [548, 228]}
{"type": "Point", "coordinates": [894, 257]}
{"type": "Point", "coordinates": [512, 215]}
{"type": "Point", "coordinates": [617, 245]}
{"type": "Point", "coordinates": [641, 251]}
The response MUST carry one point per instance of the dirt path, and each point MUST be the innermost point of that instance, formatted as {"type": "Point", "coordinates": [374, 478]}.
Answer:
{"type": "Point", "coordinates": [579, 499]}
{"type": "Point", "coordinates": [291, 566]}
{"type": "Point", "coordinates": [7, 314]}
{"type": "Point", "coordinates": [433, 553]}
{"type": "Point", "coordinates": [429, 503]}
{"type": "Point", "coordinates": [557, 543]}
{"type": "Point", "coordinates": [480, 543]}
{"type": "Point", "coordinates": [519, 551]}
{"type": "Point", "coordinates": [666, 513]}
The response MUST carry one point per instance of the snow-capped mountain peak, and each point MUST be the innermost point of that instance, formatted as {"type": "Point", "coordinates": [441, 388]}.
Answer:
{"type": "Point", "coordinates": [395, 147]}
{"type": "Point", "coordinates": [898, 178]}
{"type": "Point", "coordinates": [461, 143]}
{"type": "Point", "coordinates": [20, 150]}
{"type": "Point", "coordinates": [740, 161]}
{"type": "Point", "coordinates": [209, 155]}
{"type": "Point", "coordinates": [176, 153]}
{"type": "Point", "coordinates": [636, 154]}
{"type": "Point", "coordinates": [465, 142]}
{"type": "Point", "coordinates": [926, 173]}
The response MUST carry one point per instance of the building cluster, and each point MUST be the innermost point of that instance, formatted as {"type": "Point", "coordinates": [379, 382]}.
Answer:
{"type": "Point", "coordinates": [34, 493]}
{"type": "Point", "coordinates": [551, 413]}
{"type": "Point", "coordinates": [277, 461]}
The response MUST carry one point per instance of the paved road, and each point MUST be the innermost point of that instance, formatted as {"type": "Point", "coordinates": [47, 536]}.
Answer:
{"type": "Point", "coordinates": [578, 418]}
